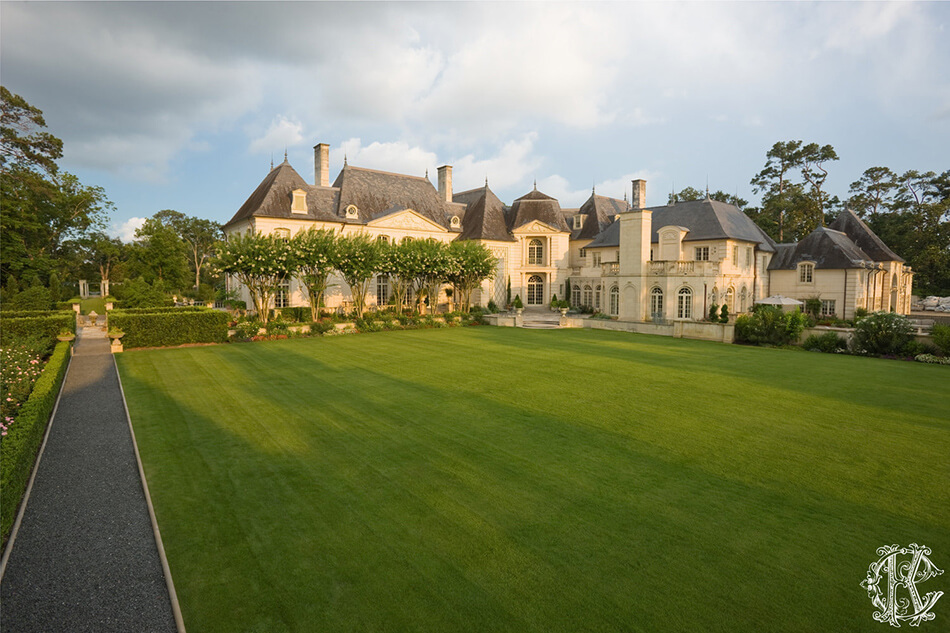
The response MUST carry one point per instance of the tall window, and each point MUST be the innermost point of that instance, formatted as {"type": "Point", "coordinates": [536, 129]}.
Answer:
{"type": "Point", "coordinates": [614, 301]}
{"type": "Point", "coordinates": [748, 257]}
{"type": "Point", "coordinates": [535, 252]}
{"type": "Point", "coordinates": [597, 297]}
{"type": "Point", "coordinates": [596, 256]}
{"type": "Point", "coordinates": [735, 256]}
{"type": "Point", "coordinates": [702, 253]}
{"type": "Point", "coordinates": [576, 296]}
{"type": "Point", "coordinates": [588, 295]}
{"type": "Point", "coordinates": [656, 302]}
{"type": "Point", "coordinates": [731, 299]}
{"type": "Point", "coordinates": [743, 297]}
{"type": "Point", "coordinates": [282, 298]}
{"type": "Point", "coordinates": [535, 290]}
{"type": "Point", "coordinates": [806, 273]}
{"type": "Point", "coordinates": [382, 290]}
{"type": "Point", "coordinates": [827, 307]}
{"type": "Point", "coordinates": [684, 304]}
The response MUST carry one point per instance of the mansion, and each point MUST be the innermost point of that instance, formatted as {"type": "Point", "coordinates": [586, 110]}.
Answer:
{"type": "Point", "coordinates": [636, 263]}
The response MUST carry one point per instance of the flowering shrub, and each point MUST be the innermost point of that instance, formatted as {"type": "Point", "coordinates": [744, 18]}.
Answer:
{"type": "Point", "coordinates": [930, 358]}
{"type": "Point", "coordinates": [21, 363]}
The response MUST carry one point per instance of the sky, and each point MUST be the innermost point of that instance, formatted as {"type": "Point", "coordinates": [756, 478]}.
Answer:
{"type": "Point", "coordinates": [184, 105]}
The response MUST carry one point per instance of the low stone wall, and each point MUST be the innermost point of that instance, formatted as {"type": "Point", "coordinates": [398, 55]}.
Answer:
{"type": "Point", "coordinates": [722, 332]}
{"type": "Point", "coordinates": [504, 320]}
{"type": "Point", "coordinates": [847, 332]}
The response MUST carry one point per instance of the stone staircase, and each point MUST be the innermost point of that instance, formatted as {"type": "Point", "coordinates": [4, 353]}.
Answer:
{"type": "Point", "coordinates": [541, 320]}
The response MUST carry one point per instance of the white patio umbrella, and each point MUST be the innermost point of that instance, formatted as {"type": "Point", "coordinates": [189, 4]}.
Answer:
{"type": "Point", "coordinates": [786, 303]}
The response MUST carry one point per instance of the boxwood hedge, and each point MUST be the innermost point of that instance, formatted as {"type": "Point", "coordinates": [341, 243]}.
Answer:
{"type": "Point", "coordinates": [165, 328]}
{"type": "Point", "coordinates": [22, 442]}
{"type": "Point", "coordinates": [49, 325]}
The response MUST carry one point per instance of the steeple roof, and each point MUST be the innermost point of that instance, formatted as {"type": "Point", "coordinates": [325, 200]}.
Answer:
{"type": "Point", "coordinates": [848, 222]}
{"type": "Point", "coordinates": [536, 206]}
{"type": "Point", "coordinates": [484, 216]}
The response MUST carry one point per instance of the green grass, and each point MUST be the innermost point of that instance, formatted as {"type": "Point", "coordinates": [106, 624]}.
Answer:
{"type": "Point", "coordinates": [495, 479]}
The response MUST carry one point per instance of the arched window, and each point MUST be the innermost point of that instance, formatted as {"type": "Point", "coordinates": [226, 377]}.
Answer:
{"type": "Point", "coordinates": [383, 238]}
{"type": "Point", "coordinates": [588, 296]}
{"type": "Point", "coordinates": [597, 297]}
{"type": "Point", "coordinates": [282, 234]}
{"type": "Point", "coordinates": [684, 304]}
{"type": "Point", "coordinates": [731, 299]}
{"type": "Point", "coordinates": [535, 290]}
{"type": "Point", "coordinates": [576, 296]}
{"type": "Point", "coordinates": [382, 290]}
{"type": "Point", "coordinates": [614, 305]}
{"type": "Point", "coordinates": [282, 298]}
{"type": "Point", "coordinates": [535, 252]}
{"type": "Point", "coordinates": [656, 303]}
{"type": "Point", "coordinates": [806, 273]}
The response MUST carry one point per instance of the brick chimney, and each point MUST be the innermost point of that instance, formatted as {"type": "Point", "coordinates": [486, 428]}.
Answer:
{"type": "Point", "coordinates": [321, 165]}
{"type": "Point", "coordinates": [445, 183]}
{"type": "Point", "coordinates": [639, 199]}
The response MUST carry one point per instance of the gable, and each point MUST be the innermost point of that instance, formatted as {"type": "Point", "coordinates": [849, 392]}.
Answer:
{"type": "Point", "coordinates": [536, 226]}
{"type": "Point", "coordinates": [407, 219]}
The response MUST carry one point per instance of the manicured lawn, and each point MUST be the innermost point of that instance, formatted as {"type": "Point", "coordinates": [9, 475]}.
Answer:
{"type": "Point", "coordinates": [493, 479]}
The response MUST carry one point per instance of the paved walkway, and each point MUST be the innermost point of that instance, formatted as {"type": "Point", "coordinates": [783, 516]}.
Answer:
{"type": "Point", "coordinates": [85, 557]}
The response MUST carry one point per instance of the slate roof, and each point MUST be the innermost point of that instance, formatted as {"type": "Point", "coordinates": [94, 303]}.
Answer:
{"type": "Point", "coordinates": [599, 212]}
{"type": "Point", "coordinates": [374, 193]}
{"type": "Point", "coordinates": [859, 232]}
{"type": "Point", "coordinates": [536, 206]}
{"type": "Point", "coordinates": [484, 216]}
{"type": "Point", "coordinates": [710, 220]}
{"type": "Point", "coordinates": [273, 198]}
{"type": "Point", "coordinates": [705, 219]}
{"type": "Point", "coordinates": [828, 248]}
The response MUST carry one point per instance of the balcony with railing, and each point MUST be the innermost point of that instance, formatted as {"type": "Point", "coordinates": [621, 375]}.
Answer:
{"type": "Point", "coordinates": [690, 268]}
{"type": "Point", "coordinates": [610, 268]}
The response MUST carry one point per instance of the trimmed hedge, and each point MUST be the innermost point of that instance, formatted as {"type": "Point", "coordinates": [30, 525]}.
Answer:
{"type": "Point", "coordinates": [16, 314]}
{"type": "Point", "coordinates": [160, 310]}
{"type": "Point", "coordinates": [22, 442]}
{"type": "Point", "coordinates": [49, 325]}
{"type": "Point", "coordinates": [166, 328]}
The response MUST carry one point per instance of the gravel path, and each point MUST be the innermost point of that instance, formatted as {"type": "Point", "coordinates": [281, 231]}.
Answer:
{"type": "Point", "coordinates": [85, 557]}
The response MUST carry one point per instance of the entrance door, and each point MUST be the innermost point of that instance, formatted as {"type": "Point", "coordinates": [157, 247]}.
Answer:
{"type": "Point", "coordinates": [535, 290]}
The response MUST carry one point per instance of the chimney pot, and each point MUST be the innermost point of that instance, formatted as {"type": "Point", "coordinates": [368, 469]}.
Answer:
{"type": "Point", "coordinates": [445, 183]}
{"type": "Point", "coordinates": [639, 198]}
{"type": "Point", "coordinates": [321, 165]}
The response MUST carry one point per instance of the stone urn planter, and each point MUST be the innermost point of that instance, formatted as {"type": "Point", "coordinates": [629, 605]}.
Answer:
{"type": "Point", "coordinates": [116, 336]}
{"type": "Point", "coordinates": [563, 311]}
{"type": "Point", "coordinates": [65, 336]}
{"type": "Point", "coordinates": [518, 311]}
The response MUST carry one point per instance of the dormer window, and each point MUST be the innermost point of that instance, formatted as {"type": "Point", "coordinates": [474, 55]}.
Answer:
{"type": "Point", "coordinates": [299, 204]}
{"type": "Point", "coordinates": [455, 222]}
{"type": "Point", "coordinates": [352, 212]}
{"type": "Point", "coordinates": [806, 273]}
{"type": "Point", "coordinates": [578, 222]}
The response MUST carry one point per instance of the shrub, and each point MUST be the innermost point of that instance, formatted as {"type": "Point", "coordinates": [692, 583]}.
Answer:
{"type": "Point", "coordinates": [769, 325]}
{"type": "Point", "coordinates": [724, 314]}
{"type": "Point", "coordinates": [278, 327]}
{"type": "Point", "coordinates": [517, 302]}
{"type": "Point", "coordinates": [321, 327]}
{"type": "Point", "coordinates": [138, 293]}
{"type": "Point", "coordinates": [940, 334]}
{"type": "Point", "coordinates": [813, 306]}
{"type": "Point", "coordinates": [930, 358]}
{"type": "Point", "coordinates": [829, 343]}
{"type": "Point", "coordinates": [18, 449]}
{"type": "Point", "coordinates": [33, 298]}
{"type": "Point", "coordinates": [554, 302]}
{"type": "Point", "coordinates": [860, 313]}
{"type": "Point", "coordinates": [45, 326]}
{"type": "Point", "coordinates": [247, 329]}
{"type": "Point", "coordinates": [369, 325]}
{"type": "Point", "coordinates": [713, 313]}
{"type": "Point", "coordinates": [161, 329]}
{"type": "Point", "coordinates": [492, 306]}
{"type": "Point", "coordinates": [881, 333]}
{"type": "Point", "coordinates": [913, 348]}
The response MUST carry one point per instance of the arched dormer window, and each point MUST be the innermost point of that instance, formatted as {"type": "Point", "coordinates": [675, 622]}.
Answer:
{"type": "Point", "coordinates": [806, 272]}
{"type": "Point", "coordinates": [535, 252]}
{"type": "Point", "coordinates": [352, 212]}
{"type": "Point", "coordinates": [684, 304]}
{"type": "Point", "coordinates": [455, 222]}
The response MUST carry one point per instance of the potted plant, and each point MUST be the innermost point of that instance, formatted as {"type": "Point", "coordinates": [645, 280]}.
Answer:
{"type": "Point", "coordinates": [563, 306]}
{"type": "Point", "coordinates": [555, 304]}
{"type": "Point", "coordinates": [518, 305]}
{"type": "Point", "coordinates": [65, 335]}
{"type": "Point", "coordinates": [115, 334]}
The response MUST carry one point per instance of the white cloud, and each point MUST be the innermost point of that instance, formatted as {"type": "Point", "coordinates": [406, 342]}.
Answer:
{"type": "Point", "coordinates": [281, 134]}
{"type": "Point", "coordinates": [126, 230]}
{"type": "Point", "coordinates": [397, 156]}
{"type": "Point", "coordinates": [513, 164]}
{"type": "Point", "coordinates": [559, 187]}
